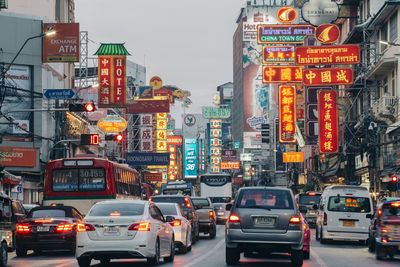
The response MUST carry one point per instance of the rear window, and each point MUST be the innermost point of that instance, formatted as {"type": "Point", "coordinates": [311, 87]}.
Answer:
{"type": "Point", "coordinates": [389, 210]}
{"type": "Point", "coordinates": [49, 213]}
{"type": "Point", "coordinates": [167, 209]}
{"type": "Point", "coordinates": [202, 202]}
{"type": "Point", "coordinates": [178, 200]}
{"type": "Point", "coordinates": [349, 204]}
{"type": "Point", "coordinates": [219, 206]}
{"type": "Point", "coordinates": [265, 198]}
{"type": "Point", "coordinates": [117, 209]}
{"type": "Point", "coordinates": [308, 200]}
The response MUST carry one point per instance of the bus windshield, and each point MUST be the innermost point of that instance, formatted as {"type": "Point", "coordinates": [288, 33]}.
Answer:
{"type": "Point", "coordinates": [82, 179]}
{"type": "Point", "coordinates": [186, 191]}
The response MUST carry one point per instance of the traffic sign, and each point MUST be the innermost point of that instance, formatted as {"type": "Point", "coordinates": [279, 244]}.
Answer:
{"type": "Point", "coordinates": [59, 93]}
{"type": "Point", "coordinates": [19, 188]}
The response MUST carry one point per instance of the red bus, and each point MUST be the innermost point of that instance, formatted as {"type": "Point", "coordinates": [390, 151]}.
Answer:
{"type": "Point", "coordinates": [81, 182]}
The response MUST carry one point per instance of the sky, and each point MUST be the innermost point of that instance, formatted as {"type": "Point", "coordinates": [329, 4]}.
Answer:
{"type": "Point", "coordinates": [188, 43]}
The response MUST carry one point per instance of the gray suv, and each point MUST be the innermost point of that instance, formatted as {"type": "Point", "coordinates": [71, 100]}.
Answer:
{"type": "Point", "coordinates": [264, 220]}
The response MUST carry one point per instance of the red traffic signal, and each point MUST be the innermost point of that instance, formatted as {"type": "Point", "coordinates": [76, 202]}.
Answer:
{"type": "Point", "coordinates": [89, 107]}
{"type": "Point", "coordinates": [82, 107]}
{"type": "Point", "coordinates": [395, 179]}
{"type": "Point", "coordinates": [119, 137]}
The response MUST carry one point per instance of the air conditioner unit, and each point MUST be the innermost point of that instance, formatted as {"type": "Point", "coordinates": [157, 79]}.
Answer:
{"type": "Point", "coordinates": [3, 3]}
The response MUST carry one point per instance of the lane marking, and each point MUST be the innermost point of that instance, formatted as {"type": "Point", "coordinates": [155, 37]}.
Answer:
{"type": "Point", "coordinates": [200, 258]}
{"type": "Point", "coordinates": [318, 259]}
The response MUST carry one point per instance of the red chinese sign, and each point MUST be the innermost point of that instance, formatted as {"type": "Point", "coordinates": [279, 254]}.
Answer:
{"type": "Point", "coordinates": [328, 121]}
{"type": "Point", "coordinates": [279, 74]}
{"type": "Point", "coordinates": [172, 168]}
{"type": "Point", "coordinates": [338, 76]}
{"type": "Point", "coordinates": [287, 113]}
{"type": "Point", "coordinates": [327, 55]}
{"type": "Point", "coordinates": [277, 54]}
{"type": "Point", "coordinates": [327, 33]}
{"type": "Point", "coordinates": [112, 81]}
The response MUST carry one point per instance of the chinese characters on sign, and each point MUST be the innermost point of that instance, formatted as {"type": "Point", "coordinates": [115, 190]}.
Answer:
{"type": "Point", "coordinates": [327, 55]}
{"type": "Point", "coordinates": [277, 54]}
{"type": "Point", "coordinates": [292, 156]}
{"type": "Point", "coordinates": [328, 121]}
{"type": "Point", "coordinates": [216, 144]}
{"type": "Point", "coordinates": [161, 137]}
{"type": "Point", "coordinates": [112, 81]}
{"type": "Point", "coordinates": [283, 34]}
{"type": "Point", "coordinates": [338, 76]}
{"type": "Point", "coordinates": [287, 113]}
{"type": "Point", "coordinates": [279, 74]}
{"type": "Point", "coordinates": [173, 167]}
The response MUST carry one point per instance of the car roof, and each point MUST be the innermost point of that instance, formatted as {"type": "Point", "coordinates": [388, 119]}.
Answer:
{"type": "Point", "coordinates": [265, 187]}
{"type": "Point", "coordinates": [167, 204]}
{"type": "Point", "coordinates": [53, 208]}
{"type": "Point", "coordinates": [177, 196]}
{"type": "Point", "coordinates": [129, 201]}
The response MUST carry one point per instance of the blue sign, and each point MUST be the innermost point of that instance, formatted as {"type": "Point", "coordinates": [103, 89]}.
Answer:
{"type": "Point", "coordinates": [146, 92]}
{"type": "Point", "coordinates": [145, 159]}
{"type": "Point", "coordinates": [59, 93]}
{"type": "Point", "coordinates": [19, 188]}
{"type": "Point", "coordinates": [190, 158]}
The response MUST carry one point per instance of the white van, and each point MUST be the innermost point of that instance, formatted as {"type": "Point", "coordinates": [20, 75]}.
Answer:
{"type": "Point", "coordinates": [345, 213]}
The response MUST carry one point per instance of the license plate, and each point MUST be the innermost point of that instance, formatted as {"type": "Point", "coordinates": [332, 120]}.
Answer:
{"type": "Point", "coordinates": [264, 221]}
{"type": "Point", "coordinates": [349, 223]}
{"type": "Point", "coordinates": [220, 213]}
{"type": "Point", "coordinates": [111, 231]}
{"type": "Point", "coordinates": [42, 228]}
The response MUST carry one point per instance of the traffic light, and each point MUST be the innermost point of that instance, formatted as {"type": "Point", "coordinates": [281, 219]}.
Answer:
{"type": "Point", "coordinates": [393, 184]}
{"type": "Point", "coordinates": [119, 137]}
{"type": "Point", "coordinates": [265, 133]}
{"type": "Point", "coordinates": [114, 137]}
{"type": "Point", "coordinates": [90, 139]}
{"type": "Point", "coordinates": [82, 107]}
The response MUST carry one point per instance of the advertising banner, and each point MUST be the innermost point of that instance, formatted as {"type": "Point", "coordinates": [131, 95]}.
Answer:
{"type": "Point", "coordinates": [172, 168]}
{"type": "Point", "coordinates": [293, 157]}
{"type": "Point", "coordinates": [63, 46]}
{"type": "Point", "coordinates": [287, 113]}
{"type": "Point", "coordinates": [230, 165]}
{"type": "Point", "coordinates": [328, 121]}
{"type": "Point", "coordinates": [145, 159]}
{"type": "Point", "coordinates": [112, 124]}
{"type": "Point", "coordinates": [282, 74]}
{"type": "Point", "coordinates": [146, 92]}
{"type": "Point", "coordinates": [147, 106]}
{"type": "Point", "coordinates": [161, 134]}
{"type": "Point", "coordinates": [278, 54]}
{"type": "Point", "coordinates": [337, 76]}
{"type": "Point", "coordinates": [327, 33]}
{"type": "Point", "coordinates": [190, 158]}
{"type": "Point", "coordinates": [327, 55]}
{"type": "Point", "coordinates": [283, 34]}
{"type": "Point", "coordinates": [18, 156]}
{"type": "Point", "coordinates": [229, 155]}
{"type": "Point", "coordinates": [174, 140]}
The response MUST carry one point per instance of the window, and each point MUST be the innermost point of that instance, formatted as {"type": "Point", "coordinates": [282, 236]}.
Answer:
{"type": "Point", "coordinates": [156, 213]}
{"type": "Point", "coordinates": [264, 198]}
{"type": "Point", "coordinates": [167, 209]}
{"type": "Point", "coordinates": [349, 204]}
{"type": "Point", "coordinates": [393, 27]}
{"type": "Point", "coordinates": [118, 209]}
{"type": "Point", "coordinates": [393, 83]}
{"type": "Point", "coordinates": [82, 179]}
{"type": "Point", "coordinates": [202, 202]}
{"type": "Point", "coordinates": [384, 36]}
{"type": "Point", "coordinates": [49, 213]}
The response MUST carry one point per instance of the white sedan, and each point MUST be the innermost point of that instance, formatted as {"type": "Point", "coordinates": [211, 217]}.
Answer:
{"type": "Point", "coordinates": [181, 225]}
{"type": "Point", "coordinates": [120, 229]}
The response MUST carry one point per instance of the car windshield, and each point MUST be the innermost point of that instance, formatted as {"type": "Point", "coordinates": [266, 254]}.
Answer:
{"type": "Point", "coordinates": [389, 210]}
{"type": "Point", "coordinates": [117, 209]}
{"type": "Point", "coordinates": [349, 204]}
{"type": "Point", "coordinates": [265, 198]}
{"type": "Point", "coordinates": [308, 200]}
{"type": "Point", "coordinates": [167, 209]}
{"type": "Point", "coordinates": [202, 202]}
{"type": "Point", "coordinates": [47, 213]}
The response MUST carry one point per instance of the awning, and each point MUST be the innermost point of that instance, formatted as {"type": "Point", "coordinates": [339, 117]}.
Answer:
{"type": "Point", "coordinates": [10, 181]}
{"type": "Point", "coordinates": [9, 178]}
{"type": "Point", "coordinates": [393, 127]}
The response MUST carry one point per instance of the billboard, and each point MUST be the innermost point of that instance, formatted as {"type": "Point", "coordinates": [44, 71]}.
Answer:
{"type": "Point", "coordinates": [63, 46]}
{"type": "Point", "coordinates": [328, 121]}
{"type": "Point", "coordinates": [146, 159]}
{"type": "Point", "coordinates": [190, 158]}
{"type": "Point", "coordinates": [337, 76]}
{"type": "Point", "coordinates": [112, 81]}
{"type": "Point", "coordinates": [18, 156]}
{"type": "Point", "coordinates": [278, 54]}
{"type": "Point", "coordinates": [281, 74]}
{"type": "Point", "coordinates": [327, 55]}
{"type": "Point", "coordinates": [283, 34]}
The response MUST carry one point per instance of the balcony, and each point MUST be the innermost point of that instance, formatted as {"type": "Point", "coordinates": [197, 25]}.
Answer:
{"type": "Point", "coordinates": [386, 107]}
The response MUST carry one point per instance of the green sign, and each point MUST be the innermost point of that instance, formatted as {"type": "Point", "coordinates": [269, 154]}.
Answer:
{"type": "Point", "coordinates": [236, 144]}
{"type": "Point", "coordinates": [216, 113]}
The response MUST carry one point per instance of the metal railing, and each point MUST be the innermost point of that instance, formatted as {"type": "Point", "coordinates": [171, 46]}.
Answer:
{"type": "Point", "coordinates": [386, 106]}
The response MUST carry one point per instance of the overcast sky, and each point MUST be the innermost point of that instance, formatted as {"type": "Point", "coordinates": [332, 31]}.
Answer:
{"type": "Point", "coordinates": [188, 43]}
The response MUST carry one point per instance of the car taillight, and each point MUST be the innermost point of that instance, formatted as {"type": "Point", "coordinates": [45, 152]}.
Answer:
{"type": "Point", "coordinates": [211, 213]}
{"type": "Point", "coordinates": [83, 227]}
{"type": "Point", "coordinates": [23, 228]}
{"type": "Point", "coordinates": [325, 218]}
{"type": "Point", "coordinates": [43, 221]}
{"type": "Point", "coordinates": [379, 212]}
{"type": "Point", "coordinates": [64, 227]}
{"type": "Point", "coordinates": [143, 226]}
{"type": "Point", "coordinates": [295, 220]}
{"type": "Point", "coordinates": [234, 219]}
{"type": "Point", "coordinates": [176, 222]}
{"type": "Point", "coordinates": [305, 227]}
{"type": "Point", "coordinates": [150, 199]}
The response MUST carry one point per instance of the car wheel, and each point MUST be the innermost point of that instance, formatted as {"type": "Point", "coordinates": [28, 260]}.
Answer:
{"type": "Point", "coordinates": [3, 255]}
{"type": "Point", "coordinates": [306, 255]}
{"type": "Point", "coordinates": [105, 261]}
{"type": "Point", "coordinates": [213, 232]}
{"type": "Point", "coordinates": [21, 252]}
{"type": "Point", "coordinates": [193, 237]}
{"type": "Point", "coordinates": [371, 244]}
{"type": "Point", "coordinates": [297, 258]}
{"type": "Point", "coordinates": [156, 259]}
{"type": "Point", "coordinates": [184, 247]}
{"type": "Point", "coordinates": [380, 251]}
{"type": "Point", "coordinates": [172, 254]}
{"type": "Point", "coordinates": [84, 261]}
{"type": "Point", "coordinates": [232, 256]}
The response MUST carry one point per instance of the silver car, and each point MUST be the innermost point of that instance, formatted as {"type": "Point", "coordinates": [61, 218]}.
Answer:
{"type": "Point", "coordinates": [264, 220]}
{"type": "Point", "coordinates": [221, 212]}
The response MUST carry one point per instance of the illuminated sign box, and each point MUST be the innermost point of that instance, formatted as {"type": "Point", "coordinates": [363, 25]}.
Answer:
{"type": "Point", "coordinates": [328, 121]}
{"type": "Point", "coordinates": [293, 157]}
{"type": "Point", "coordinates": [277, 54]}
{"type": "Point", "coordinates": [287, 113]}
{"type": "Point", "coordinates": [327, 33]}
{"type": "Point", "coordinates": [283, 34]}
{"type": "Point", "coordinates": [175, 140]}
{"type": "Point", "coordinates": [230, 165]}
{"type": "Point", "coordinates": [327, 55]}
{"type": "Point", "coordinates": [216, 113]}
{"type": "Point", "coordinates": [337, 76]}
{"type": "Point", "coordinates": [281, 74]}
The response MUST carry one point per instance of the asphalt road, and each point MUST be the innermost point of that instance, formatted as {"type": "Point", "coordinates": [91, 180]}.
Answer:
{"type": "Point", "coordinates": [211, 253]}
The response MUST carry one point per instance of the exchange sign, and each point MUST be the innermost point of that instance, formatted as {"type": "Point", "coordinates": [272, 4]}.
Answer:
{"type": "Point", "coordinates": [280, 74]}
{"type": "Point", "coordinates": [328, 121]}
{"type": "Point", "coordinates": [287, 113]}
{"type": "Point", "coordinates": [338, 76]}
{"type": "Point", "coordinates": [327, 55]}
{"type": "Point", "coordinates": [277, 54]}
{"type": "Point", "coordinates": [283, 34]}
{"type": "Point", "coordinates": [62, 46]}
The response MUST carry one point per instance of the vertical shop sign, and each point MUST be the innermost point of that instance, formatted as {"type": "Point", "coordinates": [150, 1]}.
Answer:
{"type": "Point", "coordinates": [172, 168]}
{"type": "Point", "coordinates": [161, 134]}
{"type": "Point", "coordinates": [190, 158]}
{"type": "Point", "coordinates": [216, 146]}
{"type": "Point", "coordinates": [328, 121]}
{"type": "Point", "coordinates": [287, 113]}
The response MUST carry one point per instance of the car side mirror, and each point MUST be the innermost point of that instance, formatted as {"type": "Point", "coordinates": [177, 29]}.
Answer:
{"type": "Point", "coordinates": [315, 207]}
{"type": "Point", "coordinates": [369, 216]}
{"type": "Point", "coordinates": [303, 209]}
{"type": "Point", "coordinates": [228, 206]}
{"type": "Point", "coordinates": [170, 219]}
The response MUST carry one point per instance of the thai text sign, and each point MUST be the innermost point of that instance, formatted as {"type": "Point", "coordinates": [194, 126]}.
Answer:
{"type": "Point", "coordinates": [112, 124]}
{"type": "Point", "coordinates": [216, 113]}
{"type": "Point", "coordinates": [112, 81]}
{"type": "Point", "coordinates": [279, 74]}
{"type": "Point", "coordinates": [337, 76]}
{"type": "Point", "coordinates": [293, 157]}
{"type": "Point", "coordinates": [328, 121]}
{"type": "Point", "coordinates": [283, 34]}
{"type": "Point", "coordinates": [63, 46]}
{"type": "Point", "coordinates": [327, 55]}
{"type": "Point", "coordinates": [230, 165]}
{"type": "Point", "coordinates": [146, 159]}
{"type": "Point", "coordinates": [18, 156]}
{"type": "Point", "coordinates": [277, 54]}
{"type": "Point", "coordinates": [148, 106]}
{"type": "Point", "coordinates": [287, 113]}
{"type": "Point", "coordinates": [153, 177]}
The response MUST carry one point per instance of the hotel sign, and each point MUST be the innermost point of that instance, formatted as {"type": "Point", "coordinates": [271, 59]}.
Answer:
{"type": "Point", "coordinates": [338, 76]}
{"type": "Point", "coordinates": [327, 55]}
{"type": "Point", "coordinates": [281, 74]}
{"type": "Point", "coordinates": [277, 54]}
{"type": "Point", "coordinates": [283, 34]}
{"type": "Point", "coordinates": [328, 121]}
